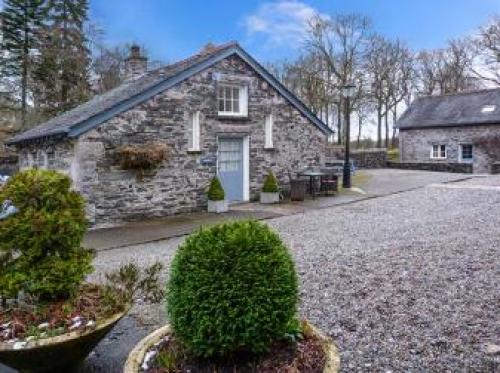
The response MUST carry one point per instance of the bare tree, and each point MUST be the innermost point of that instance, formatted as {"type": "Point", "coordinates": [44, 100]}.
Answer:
{"type": "Point", "coordinates": [488, 43]}
{"type": "Point", "coordinates": [400, 84]}
{"type": "Point", "coordinates": [341, 42]}
{"type": "Point", "coordinates": [447, 70]}
{"type": "Point", "coordinates": [378, 65]}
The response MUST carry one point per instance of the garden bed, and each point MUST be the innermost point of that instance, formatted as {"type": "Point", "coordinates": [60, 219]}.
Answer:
{"type": "Point", "coordinates": [161, 352]}
{"type": "Point", "coordinates": [24, 322]}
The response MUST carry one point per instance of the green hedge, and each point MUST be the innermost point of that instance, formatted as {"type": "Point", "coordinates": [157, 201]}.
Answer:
{"type": "Point", "coordinates": [41, 244]}
{"type": "Point", "coordinates": [232, 289]}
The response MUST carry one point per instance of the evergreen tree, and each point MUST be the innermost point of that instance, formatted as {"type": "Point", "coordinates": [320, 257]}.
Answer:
{"type": "Point", "coordinates": [21, 21]}
{"type": "Point", "coordinates": [62, 75]}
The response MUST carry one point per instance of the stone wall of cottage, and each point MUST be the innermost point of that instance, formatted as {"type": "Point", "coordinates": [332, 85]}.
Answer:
{"type": "Point", "coordinates": [179, 184]}
{"type": "Point", "coordinates": [415, 144]}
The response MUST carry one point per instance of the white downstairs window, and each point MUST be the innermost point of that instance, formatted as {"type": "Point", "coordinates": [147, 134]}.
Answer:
{"type": "Point", "coordinates": [232, 100]}
{"type": "Point", "coordinates": [194, 145]}
{"type": "Point", "coordinates": [269, 132]}
{"type": "Point", "coordinates": [438, 151]}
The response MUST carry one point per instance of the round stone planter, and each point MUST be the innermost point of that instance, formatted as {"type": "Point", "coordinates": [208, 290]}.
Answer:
{"type": "Point", "coordinates": [56, 354]}
{"type": "Point", "coordinates": [136, 356]}
{"type": "Point", "coordinates": [269, 198]}
{"type": "Point", "coordinates": [218, 206]}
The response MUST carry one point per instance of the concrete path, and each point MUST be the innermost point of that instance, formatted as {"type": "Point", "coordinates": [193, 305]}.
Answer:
{"type": "Point", "coordinates": [366, 184]}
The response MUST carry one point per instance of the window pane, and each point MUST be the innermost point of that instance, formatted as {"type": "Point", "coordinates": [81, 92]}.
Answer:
{"type": "Point", "coordinates": [236, 106]}
{"type": "Point", "coordinates": [221, 105]}
{"type": "Point", "coordinates": [236, 93]}
{"type": "Point", "coordinates": [443, 151]}
{"type": "Point", "coordinates": [228, 93]}
{"type": "Point", "coordinates": [467, 151]}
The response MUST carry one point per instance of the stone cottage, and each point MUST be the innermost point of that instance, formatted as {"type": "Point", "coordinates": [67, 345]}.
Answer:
{"type": "Point", "coordinates": [453, 129]}
{"type": "Point", "coordinates": [218, 112]}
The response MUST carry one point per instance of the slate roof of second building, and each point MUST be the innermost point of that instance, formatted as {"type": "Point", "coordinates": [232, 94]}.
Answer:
{"type": "Point", "coordinates": [461, 109]}
{"type": "Point", "coordinates": [89, 114]}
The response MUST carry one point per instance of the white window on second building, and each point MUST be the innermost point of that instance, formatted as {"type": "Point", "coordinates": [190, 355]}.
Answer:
{"type": "Point", "coordinates": [232, 100]}
{"type": "Point", "coordinates": [438, 151]}
{"type": "Point", "coordinates": [466, 152]}
{"type": "Point", "coordinates": [269, 123]}
{"type": "Point", "coordinates": [194, 141]}
{"type": "Point", "coordinates": [40, 160]}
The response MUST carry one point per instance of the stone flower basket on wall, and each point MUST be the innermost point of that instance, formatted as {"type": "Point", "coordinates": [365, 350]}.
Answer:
{"type": "Point", "coordinates": [142, 158]}
{"type": "Point", "coordinates": [60, 353]}
{"type": "Point", "coordinates": [138, 355]}
{"type": "Point", "coordinates": [217, 201]}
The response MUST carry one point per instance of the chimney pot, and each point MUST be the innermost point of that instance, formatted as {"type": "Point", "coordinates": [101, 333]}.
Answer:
{"type": "Point", "coordinates": [136, 64]}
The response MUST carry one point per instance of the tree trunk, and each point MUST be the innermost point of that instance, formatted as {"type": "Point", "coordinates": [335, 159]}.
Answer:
{"type": "Point", "coordinates": [339, 124]}
{"type": "Point", "coordinates": [379, 128]}
{"type": "Point", "coordinates": [360, 124]}
{"type": "Point", "coordinates": [24, 74]}
{"type": "Point", "coordinates": [394, 129]}
{"type": "Point", "coordinates": [386, 118]}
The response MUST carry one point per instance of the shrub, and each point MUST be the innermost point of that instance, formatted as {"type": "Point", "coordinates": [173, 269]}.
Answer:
{"type": "Point", "coordinates": [41, 244]}
{"type": "Point", "coordinates": [215, 191]}
{"type": "Point", "coordinates": [232, 289]}
{"type": "Point", "coordinates": [270, 183]}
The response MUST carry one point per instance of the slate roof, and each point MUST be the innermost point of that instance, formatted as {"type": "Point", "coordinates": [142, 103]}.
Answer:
{"type": "Point", "coordinates": [132, 92]}
{"type": "Point", "coordinates": [453, 110]}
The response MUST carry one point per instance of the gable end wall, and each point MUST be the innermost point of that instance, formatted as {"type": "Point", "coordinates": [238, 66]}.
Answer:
{"type": "Point", "coordinates": [179, 185]}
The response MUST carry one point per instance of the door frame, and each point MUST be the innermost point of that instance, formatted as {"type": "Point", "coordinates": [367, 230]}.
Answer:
{"type": "Point", "coordinates": [246, 162]}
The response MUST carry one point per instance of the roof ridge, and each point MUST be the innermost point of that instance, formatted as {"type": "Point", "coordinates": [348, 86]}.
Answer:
{"type": "Point", "coordinates": [132, 92]}
{"type": "Point", "coordinates": [462, 93]}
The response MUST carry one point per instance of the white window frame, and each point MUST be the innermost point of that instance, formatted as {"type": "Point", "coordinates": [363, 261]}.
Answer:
{"type": "Point", "coordinates": [466, 160]}
{"type": "Point", "coordinates": [268, 129]}
{"type": "Point", "coordinates": [439, 156]}
{"type": "Point", "coordinates": [41, 160]}
{"type": "Point", "coordinates": [195, 132]}
{"type": "Point", "coordinates": [242, 100]}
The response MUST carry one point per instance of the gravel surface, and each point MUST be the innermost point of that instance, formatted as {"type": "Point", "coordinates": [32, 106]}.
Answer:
{"type": "Point", "coordinates": [407, 282]}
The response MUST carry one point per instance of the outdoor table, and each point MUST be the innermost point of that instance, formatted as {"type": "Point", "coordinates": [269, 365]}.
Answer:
{"type": "Point", "coordinates": [312, 176]}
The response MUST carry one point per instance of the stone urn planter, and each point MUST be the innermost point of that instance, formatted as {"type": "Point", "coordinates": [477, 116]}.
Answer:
{"type": "Point", "coordinates": [56, 354]}
{"type": "Point", "coordinates": [218, 206]}
{"type": "Point", "coordinates": [137, 356]}
{"type": "Point", "coordinates": [269, 198]}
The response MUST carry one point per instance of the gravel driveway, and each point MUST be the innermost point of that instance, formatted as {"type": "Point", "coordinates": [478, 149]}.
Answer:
{"type": "Point", "coordinates": [407, 282]}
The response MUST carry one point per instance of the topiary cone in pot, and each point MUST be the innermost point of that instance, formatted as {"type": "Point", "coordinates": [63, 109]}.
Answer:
{"type": "Point", "coordinates": [270, 190]}
{"type": "Point", "coordinates": [217, 201]}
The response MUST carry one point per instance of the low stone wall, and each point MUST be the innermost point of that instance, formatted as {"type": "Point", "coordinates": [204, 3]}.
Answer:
{"type": "Point", "coordinates": [362, 158]}
{"type": "Point", "coordinates": [495, 168]}
{"type": "Point", "coordinates": [465, 168]}
{"type": "Point", "coordinates": [369, 158]}
{"type": "Point", "coordinates": [8, 164]}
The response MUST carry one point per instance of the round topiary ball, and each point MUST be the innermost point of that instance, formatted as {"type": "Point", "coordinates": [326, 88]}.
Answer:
{"type": "Point", "coordinates": [40, 245]}
{"type": "Point", "coordinates": [232, 289]}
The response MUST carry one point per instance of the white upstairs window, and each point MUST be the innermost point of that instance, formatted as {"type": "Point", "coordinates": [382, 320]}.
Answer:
{"type": "Point", "coordinates": [232, 100]}
{"type": "Point", "coordinates": [269, 131]}
{"type": "Point", "coordinates": [195, 132]}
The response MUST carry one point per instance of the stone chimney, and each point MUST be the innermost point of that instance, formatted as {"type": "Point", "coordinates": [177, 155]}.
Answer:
{"type": "Point", "coordinates": [135, 64]}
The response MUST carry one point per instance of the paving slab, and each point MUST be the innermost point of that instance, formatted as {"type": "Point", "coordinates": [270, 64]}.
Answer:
{"type": "Point", "coordinates": [153, 230]}
{"type": "Point", "coordinates": [366, 184]}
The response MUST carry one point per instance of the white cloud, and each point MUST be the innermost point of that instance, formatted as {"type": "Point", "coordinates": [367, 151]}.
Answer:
{"type": "Point", "coordinates": [282, 22]}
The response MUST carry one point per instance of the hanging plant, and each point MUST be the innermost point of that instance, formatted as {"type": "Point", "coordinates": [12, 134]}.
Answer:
{"type": "Point", "coordinates": [142, 157]}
